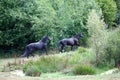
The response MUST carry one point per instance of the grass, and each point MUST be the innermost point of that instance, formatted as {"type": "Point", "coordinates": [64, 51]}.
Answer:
{"type": "Point", "coordinates": [101, 69]}
{"type": "Point", "coordinates": [60, 62]}
{"type": "Point", "coordinates": [60, 76]}
{"type": "Point", "coordinates": [83, 70]}
{"type": "Point", "coordinates": [57, 65]}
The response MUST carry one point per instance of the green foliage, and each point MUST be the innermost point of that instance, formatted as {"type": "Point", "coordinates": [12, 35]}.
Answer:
{"type": "Point", "coordinates": [109, 10]}
{"type": "Point", "coordinates": [72, 15]}
{"type": "Point", "coordinates": [81, 50]}
{"type": "Point", "coordinates": [112, 52]}
{"type": "Point", "coordinates": [82, 56]}
{"type": "Point", "coordinates": [83, 70]}
{"type": "Point", "coordinates": [33, 71]}
{"type": "Point", "coordinates": [27, 21]}
{"type": "Point", "coordinates": [15, 22]}
{"type": "Point", "coordinates": [98, 34]}
{"type": "Point", "coordinates": [51, 64]}
{"type": "Point", "coordinates": [26, 65]}
{"type": "Point", "coordinates": [60, 62]}
{"type": "Point", "coordinates": [47, 64]}
{"type": "Point", "coordinates": [118, 11]}
{"type": "Point", "coordinates": [103, 43]}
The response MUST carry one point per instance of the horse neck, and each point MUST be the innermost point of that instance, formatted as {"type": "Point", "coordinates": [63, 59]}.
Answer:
{"type": "Point", "coordinates": [44, 40]}
{"type": "Point", "coordinates": [76, 36]}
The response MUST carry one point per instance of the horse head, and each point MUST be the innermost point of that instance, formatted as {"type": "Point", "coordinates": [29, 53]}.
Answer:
{"type": "Point", "coordinates": [45, 38]}
{"type": "Point", "coordinates": [48, 37]}
{"type": "Point", "coordinates": [78, 35]}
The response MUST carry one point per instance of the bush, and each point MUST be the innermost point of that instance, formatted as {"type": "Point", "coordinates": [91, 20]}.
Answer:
{"type": "Point", "coordinates": [112, 51]}
{"type": "Point", "coordinates": [33, 71]}
{"type": "Point", "coordinates": [60, 62]}
{"type": "Point", "coordinates": [98, 34]}
{"type": "Point", "coordinates": [81, 50]}
{"type": "Point", "coordinates": [47, 64]}
{"type": "Point", "coordinates": [26, 65]}
{"type": "Point", "coordinates": [83, 70]}
{"type": "Point", "coordinates": [105, 44]}
{"type": "Point", "coordinates": [85, 57]}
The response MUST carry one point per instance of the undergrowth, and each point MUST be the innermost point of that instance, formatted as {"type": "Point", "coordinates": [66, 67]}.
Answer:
{"type": "Point", "coordinates": [60, 62]}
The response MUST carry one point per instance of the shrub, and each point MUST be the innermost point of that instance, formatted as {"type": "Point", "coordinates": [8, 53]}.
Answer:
{"type": "Point", "coordinates": [47, 64]}
{"type": "Point", "coordinates": [83, 70]}
{"type": "Point", "coordinates": [52, 63]}
{"type": "Point", "coordinates": [33, 70]}
{"type": "Point", "coordinates": [112, 51]}
{"type": "Point", "coordinates": [81, 50]}
{"type": "Point", "coordinates": [60, 62]}
{"type": "Point", "coordinates": [26, 65]}
{"type": "Point", "coordinates": [98, 34]}
{"type": "Point", "coordinates": [105, 44]}
{"type": "Point", "coordinates": [87, 56]}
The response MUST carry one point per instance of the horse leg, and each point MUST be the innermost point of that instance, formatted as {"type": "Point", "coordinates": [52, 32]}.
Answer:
{"type": "Point", "coordinates": [71, 47]}
{"type": "Point", "coordinates": [46, 50]}
{"type": "Point", "coordinates": [40, 52]}
{"type": "Point", "coordinates": [29, 52]}
{"type": "Point", "coordinates": [26, 52]}
{"type": "Point", "coordinates": [62, 47]}
{"type": "Point", "coordinates": [27, 55]}
{"type": "Point", "coordinates": [77, 44]}
{"type": "Point", "coordinates": [32, 54]}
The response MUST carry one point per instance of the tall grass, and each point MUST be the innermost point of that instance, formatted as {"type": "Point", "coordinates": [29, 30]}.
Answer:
{"type": "Point", "coordinates": [82, 55]}
{"type": "Point", "coordinates": [60, 62]}
{"type": "Point", "coordinates": [83, 70]}
{"type": "Point", "coordinates": [49, 63]}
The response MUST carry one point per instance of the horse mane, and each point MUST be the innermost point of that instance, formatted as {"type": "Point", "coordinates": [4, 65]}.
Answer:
{"type": "Point", "coordinates": [76, 36]}
{"type": "Point", "coordinates": [44, 39]}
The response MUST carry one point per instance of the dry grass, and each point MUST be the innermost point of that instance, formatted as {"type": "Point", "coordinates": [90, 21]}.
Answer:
{"type": "Point", "coordinates": [8, 76]}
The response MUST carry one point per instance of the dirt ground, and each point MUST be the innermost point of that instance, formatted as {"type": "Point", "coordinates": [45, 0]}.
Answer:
{"type": "Point", "coordinates": [8, 76]}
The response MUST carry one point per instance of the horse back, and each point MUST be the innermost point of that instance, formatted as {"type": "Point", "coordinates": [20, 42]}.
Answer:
{"type": "Point", "coordinates": [68, 41]}
{"type": "Point", "coordinates": [36, 45]}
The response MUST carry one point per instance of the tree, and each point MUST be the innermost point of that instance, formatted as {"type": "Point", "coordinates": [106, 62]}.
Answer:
{"type": "Point", "coordinates": [98, 34]}
{"type": "Point", "coordinates": [118, 12]}
{"type": "Point", "coordinates": [25, 21]}
{"type": "Point", "coordinates": [16, 22]}
{"type": "Point", "coordinates": [109, 10]}
{"type": "Point", "coordinates": [112, 52]}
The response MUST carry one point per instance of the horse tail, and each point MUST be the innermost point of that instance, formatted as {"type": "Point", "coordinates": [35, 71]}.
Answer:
{"type": "Point", "coordinates": [59, 44]}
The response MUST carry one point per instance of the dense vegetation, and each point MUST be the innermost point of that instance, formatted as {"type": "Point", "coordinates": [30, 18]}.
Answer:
{"type": "Point", "coordinates": [25, 21]}
{"type": "Point", "coordinates": [109, 10]}
{"type": "Point", "coordinates": [76, 62]}
{"type": "Point", "coordinates": [118, 11]}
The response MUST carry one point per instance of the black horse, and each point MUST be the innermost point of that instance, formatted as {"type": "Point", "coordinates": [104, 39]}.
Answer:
{"type": "Point", "coordinates": [69, 41]}
{"type": "Point", "coordinates": [40, 45]}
